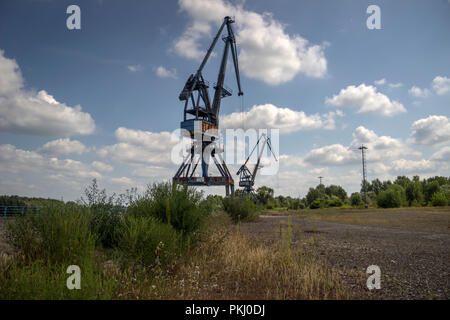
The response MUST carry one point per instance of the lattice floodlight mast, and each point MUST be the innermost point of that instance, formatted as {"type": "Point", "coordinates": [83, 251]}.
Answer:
{"type": "Point", "coordinates": [320, 184]}
{"type": "Point", "coordinates": [204, 122]}
{"type": "Point", "coordinates": [363, 156]}
{"type": "Point", "coordinates": [320, 180]}
{"type": "Point", "coordinates": [246, 177]}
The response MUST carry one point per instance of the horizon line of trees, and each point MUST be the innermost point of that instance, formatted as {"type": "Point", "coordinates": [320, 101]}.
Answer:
{"type": "Point", "coordinates": [403, 191]}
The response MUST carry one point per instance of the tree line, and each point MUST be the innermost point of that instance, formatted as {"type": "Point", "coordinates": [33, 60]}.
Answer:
{"type": "Point", "coordinates": [403, 191]}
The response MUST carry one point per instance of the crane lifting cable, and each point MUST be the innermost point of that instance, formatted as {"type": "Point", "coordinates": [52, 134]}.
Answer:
{"type": "Point", "coordinates": [247, 177]}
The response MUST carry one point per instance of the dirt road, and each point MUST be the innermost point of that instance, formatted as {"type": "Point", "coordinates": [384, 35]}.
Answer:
{"type": "Point", "coordinates": [411, 247]}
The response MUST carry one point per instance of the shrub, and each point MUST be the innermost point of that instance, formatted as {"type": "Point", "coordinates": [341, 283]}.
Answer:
{"type": "Point", "coordinates": [147, 241]}
{"type": "Point", "coordinates": [356, 199]}
{"type": "Point", "coordinates": [177, 205]}
{"type": "Point", "coordinates": [316, 204]}
{"type": "Point", "coordinates": [430, 189]}
{"type": "Point", "coordinates": [240, 209]}
{"type": "Point", "coordinates": [413, 192]}
{"type": "Point", "coordinates": [296, 204]}
{"type": "Point", "coordinates": [212, 203]}
{"type": "Point", "coordinates": [334, 202]}
{"type": "Point", "coordinates": [393, 197]}
{"type": "Point", "coordinates": [415, 203]}
{"type": "Point", "coordinates": [106, 211]}
{"type": "Point", "coordinates": [439, 199]}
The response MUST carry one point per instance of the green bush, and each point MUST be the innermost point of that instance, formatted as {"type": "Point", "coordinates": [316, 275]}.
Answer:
{"type": "Point", "coordinates": [212, 203]}
{"type": "Point", "coordinates": [105, 225]}
{"type": "Point", "coordinates": [415, 203]}
{"type": "Point", "coordinates": [296, 204]}
{"type": "Point", "coordinates": [240, 209]}
{"type": "Point", "coordinates": [430, 189]}
{"type": "Point", "coordinates": [147, 241]}
{"type": "Point", "coordinates": [439, 199]}
{"type": "Point", "coordinates": [414, 193]}
{"type": "Point", "coordinates": [177, 205]}
{"type": "Point", "coordinates": [316, 204]}
{"type": "Point", "coordinates": [334, 202]}
{"type": "Point", "coordinates": [356, 199]}
{"type": "Point", "coordinates": [393, 197]}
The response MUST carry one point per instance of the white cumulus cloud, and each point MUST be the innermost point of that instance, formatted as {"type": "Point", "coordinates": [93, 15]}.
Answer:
{"type": "Point", "coordinates": [380, 148]}
{"type": "Point", "coordinates": [28, 112]}
{"type": "Point", "coordinates": [418, 92]}
{"type": "Point", "coordinates": [267, 52]}
{"type": "Point", "coordinates": [165, 73]}
{"type": "Point", "coordinates": [441, 85]}
{"type": "Point", "coordinates": [15, 160]}
{"type": "Point", "coordinates": [367, 100]}
{"type": "Point", "coordinates": [335, 154]}
{"type": "Point", "coordinates": [140, 147]}
{"type": "Point", "coordinates": [63, 146]}
{"type": "Point", "coordinates": [272, 117]}
{"type": "Point", "coordinates": [101, 166]}
{"type": "Point", "coordinates": [412, 166]}
{"type": "Point", "coordinates": [442, 155]}
{"type": "Point", "coordinates": [432, 130]}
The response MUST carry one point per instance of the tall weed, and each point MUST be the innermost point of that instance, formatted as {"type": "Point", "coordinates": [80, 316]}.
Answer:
{"type": "Point", "coordinates": [148, 242]}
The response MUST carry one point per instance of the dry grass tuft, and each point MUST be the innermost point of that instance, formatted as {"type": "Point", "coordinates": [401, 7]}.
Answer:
{"type": "Point", "coordinates": [230, 265]}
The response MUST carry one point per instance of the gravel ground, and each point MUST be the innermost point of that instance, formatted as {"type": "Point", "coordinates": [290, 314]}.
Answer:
{"type": "Point", "coordinates": [414, 259]}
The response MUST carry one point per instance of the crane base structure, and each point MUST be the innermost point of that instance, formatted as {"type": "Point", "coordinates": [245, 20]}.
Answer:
{"type": "Point", "coordinates": [203, 135]}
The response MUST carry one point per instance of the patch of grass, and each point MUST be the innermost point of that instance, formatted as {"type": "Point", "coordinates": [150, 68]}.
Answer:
{"type": "Point", "coordinates": [281, 208]}
{"type": "Point", "coordinates": [225, 264]}
{"type": "Point", "coordinates": [233, 266]}
{"type": "Point", "coordinates": [56, 235]}
{"type": "Point", "coordinates": [42, 280]}
{"type": "Point", "coordinates": [415, 218]}
{"type": "Point", "coordinates": [105, 224]}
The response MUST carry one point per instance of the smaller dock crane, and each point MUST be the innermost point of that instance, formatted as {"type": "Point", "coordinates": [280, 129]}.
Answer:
{"type": "Point", "coordinates": [247, 177]}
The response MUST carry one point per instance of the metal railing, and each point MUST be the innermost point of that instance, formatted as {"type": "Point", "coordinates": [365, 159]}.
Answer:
{"type": "Point", "coordinates": [11, 211]}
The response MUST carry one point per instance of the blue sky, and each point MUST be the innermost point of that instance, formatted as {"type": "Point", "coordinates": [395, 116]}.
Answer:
{"type": "Point", "coordinates": [101, 101]}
